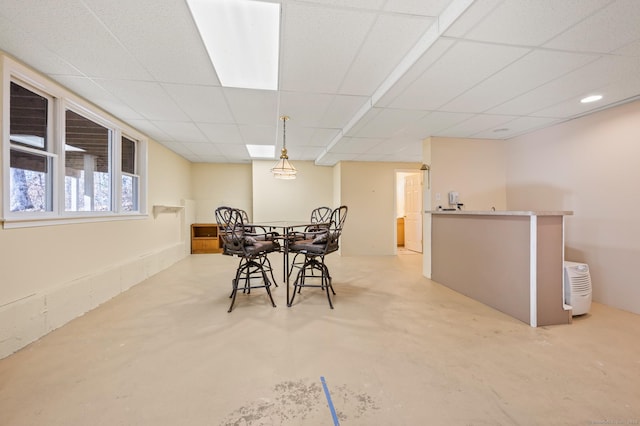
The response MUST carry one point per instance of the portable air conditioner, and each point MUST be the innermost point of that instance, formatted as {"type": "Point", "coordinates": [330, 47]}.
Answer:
{"type": "Point", "coordinates": [577, 287]}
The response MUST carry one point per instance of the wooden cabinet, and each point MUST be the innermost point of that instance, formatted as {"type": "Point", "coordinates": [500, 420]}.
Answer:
{"type": "Point", "coordinates": [204, 238]}
{"type": "Point", "coordinates": [400, 232]}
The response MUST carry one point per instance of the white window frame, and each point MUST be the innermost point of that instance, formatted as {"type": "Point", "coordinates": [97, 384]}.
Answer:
{"type": "Point", "coordinates": [61, 99]}
{"type": "Point", "coordinates": [136, 166]}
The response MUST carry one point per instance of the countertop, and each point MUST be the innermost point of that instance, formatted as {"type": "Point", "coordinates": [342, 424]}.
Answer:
{"type": "Point", "coordinates": [503, 212]}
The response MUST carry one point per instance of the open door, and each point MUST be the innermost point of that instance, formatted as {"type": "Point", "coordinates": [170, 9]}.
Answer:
{"type": "Point", "coordinates": [413, 212]}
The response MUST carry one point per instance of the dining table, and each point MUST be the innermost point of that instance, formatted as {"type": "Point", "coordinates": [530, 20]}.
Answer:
{"type": "Point", "coordinates": [284, 228]}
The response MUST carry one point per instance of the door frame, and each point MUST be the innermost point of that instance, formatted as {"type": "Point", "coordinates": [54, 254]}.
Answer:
{"type": "Point", "coordinates": [398, 174]}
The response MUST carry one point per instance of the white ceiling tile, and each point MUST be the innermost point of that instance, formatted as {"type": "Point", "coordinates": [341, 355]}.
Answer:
{"type": "Point", "coordinates": [593, 75]}
{"type": "Point", "coordinates": [319, 46]}
{"type": "Point", "coordinates": [296, 134]}
{"type": "Point", "coordinates": [308, 153]}
{"type": "Point", "coordinates": [529, 72]}
{"type": "Point", "coordinates": [395, 148]}
{"type": "Point", "coordinates": [202, 149]}
{"type": "Point", "coordinates": [258, 107]}
{"type": "Point", "coordinates": [433, 54]}
{"type": "Point", "coordinates": [221, 133]}
{"type": "Point", "coordinates": [474, 14]}
{"type": "Point", "coordinates": [371, 157]}
{"type": "Point", "coordinates": [65, 29]}
{"type": "Point", "coordinates": [515, 127]}
{"type": "Point", "coordinates": [475, 124]}
{"type": "Point", "coordinates": [322, 137]}
{"type": "Point", "coordinates": [259, 135]}
{"type": "Point", "coordinates": [153, 102]}
{"type": "Point", "coordinates": [92, 92]}
{"type": "Point", "coordinates": [417, 7]}
{"type": "Point", "coordinates": [532, 23]}
{"type": "Point", "coordinates": [613, 27]}
{"type": "Point", "coordinates": [631, 49]}
{"type": "Point", "coordinates": [340, 111]}
{"type": "Point", "coordinates": [434, 122]}
{"type": "Point", "coordinates": [150, 69]}
{"type": "Point", "coordinates": [212, 159]}
{"type": "Point", "coordinates": [233, 151]}
{"type": "Point", "coordinates": [612, 94]}
{"type": "Point", "coordinates": [203, 104]}
{"type": "Point", "coordinates": [387, 123]}
{"type": "Point", "coordinates": [305, 109]}
{"type": "Point", "coordinates": [17, 42]}
{"type": "Point", "coordinates": [370, 115]}
{"type": "Point", "coordinates": [390, 39]}
{"type": "Point", "coordinates": [352, 4]}
{"type": "Point", "coordinates": [349, 145]}
{"type": "Point", "coordinates": [463, 66]}
{"type": "Point", "coordinates": [179, 148]}
{"type": "Point", "coordinates": [159, 43]}
{"type": "Point", "coordinates": [330, 159]}
{"type": "Point", "coordinates": [181, 131]}
{"type": "Point", "coordinates": [148, 128]}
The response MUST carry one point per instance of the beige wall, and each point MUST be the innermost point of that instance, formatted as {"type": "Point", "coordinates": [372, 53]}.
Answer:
{"type": "Point", "coordinates": [277, 199]}
{"type": "Point", "coordinates": [368, 189]}
{"type": "Point", "coordinates": [590, 166]}
{"type": "Point", "coordinates": [475, 168]}
{"type": "Point", "coordinates": [52, 274]}
{"type": "Point", "coordinates": [215, 185]}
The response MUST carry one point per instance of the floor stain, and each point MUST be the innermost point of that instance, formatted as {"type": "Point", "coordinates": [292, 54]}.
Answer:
{"type": "Point", "coordinates": [300, 400]}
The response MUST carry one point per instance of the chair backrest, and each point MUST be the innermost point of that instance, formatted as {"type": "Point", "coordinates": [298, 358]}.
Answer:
{"type": "Point", "coordinates": [231, 230]}
{"type": "Point", "coordinates": [245, 216]}
{"type": "Point", "coordinates": [321, 215]}
{"type": "Point", "coordinates": [338, 217]}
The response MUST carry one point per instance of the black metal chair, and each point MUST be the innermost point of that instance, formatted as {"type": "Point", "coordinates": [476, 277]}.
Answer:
{"type": "Point", "coordinates": [254, 263]}
{"type": "Point", "coordinates": [315, 246]}
{"type": "Point", "coordinates": [320, 217]}
{"type": "Point", "coordinates": [259, 233]}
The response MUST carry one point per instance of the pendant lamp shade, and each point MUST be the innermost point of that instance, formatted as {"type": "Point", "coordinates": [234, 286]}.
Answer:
{"type": "Point", "coordinates": [283, 168]}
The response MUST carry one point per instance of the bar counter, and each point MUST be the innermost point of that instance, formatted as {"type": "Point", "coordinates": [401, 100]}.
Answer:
{"type": "Point", "coordinates": [510, 260]}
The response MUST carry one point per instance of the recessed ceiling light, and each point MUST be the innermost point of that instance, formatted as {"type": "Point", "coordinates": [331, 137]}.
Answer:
{"type": "Point", "coordinates": [503, 129]}
{"type": "Point", "coordinates": [261, 151]}
{"type": "Point", "coordinates": [591, 98]}
{"type": "Point", "coordinates": [242, 38]}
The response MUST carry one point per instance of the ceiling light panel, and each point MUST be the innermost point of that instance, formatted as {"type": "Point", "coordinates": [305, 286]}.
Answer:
{"type": "Point", "coordinates": [261, 151]}
{"type": "Point", "coordinates": [242, 39]}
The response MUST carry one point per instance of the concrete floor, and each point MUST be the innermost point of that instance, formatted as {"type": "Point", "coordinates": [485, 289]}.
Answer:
{"type": "Point", "coordinates": [397, 350]}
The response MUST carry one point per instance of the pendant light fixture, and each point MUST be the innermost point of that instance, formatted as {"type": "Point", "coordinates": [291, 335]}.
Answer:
{"type": "Point", "coordinates": [283, 169]}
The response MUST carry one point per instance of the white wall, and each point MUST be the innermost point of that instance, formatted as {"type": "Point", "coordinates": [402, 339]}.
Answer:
{"type": "Point", "coordinates": [368, 190]}
{"type": "Point", "coordinates": [475, 168]}
{"type": "Point", "coordinates": [590, 166]}
{"type": "Point", "coordinates": [215, 185]}
{"type": "Point", "coordinates": [53, 274]}
{"type": "Point", "coordinates": [277, 199]}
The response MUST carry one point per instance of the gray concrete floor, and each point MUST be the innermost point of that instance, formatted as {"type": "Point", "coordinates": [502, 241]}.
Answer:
{"type": "Point", "coordinates": [398, 349]}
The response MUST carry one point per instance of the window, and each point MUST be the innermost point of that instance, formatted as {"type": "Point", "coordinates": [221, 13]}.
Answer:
{"type": "Point", "coordinates": [87, 172]}
{"type": "Point", "coordinates": [130, 178]}
{"type": "Point", "coordinates": [64, 160]}
{"type": "Point", "coordinates": [31, 161]}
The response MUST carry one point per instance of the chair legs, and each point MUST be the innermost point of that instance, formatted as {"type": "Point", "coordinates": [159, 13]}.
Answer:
{"type": "Point", "coordinates": [313, 264]}
{"type": "Point", "coordinates": [249, 269]}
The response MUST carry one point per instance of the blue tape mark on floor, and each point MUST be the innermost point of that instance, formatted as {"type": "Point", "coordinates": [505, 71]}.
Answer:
{"type": "Point", "coordinates": [333, 410]}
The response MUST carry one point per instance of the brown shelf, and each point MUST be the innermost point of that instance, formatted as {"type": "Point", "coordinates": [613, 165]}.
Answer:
{"type": "Point", "coordinates": [204, 238]}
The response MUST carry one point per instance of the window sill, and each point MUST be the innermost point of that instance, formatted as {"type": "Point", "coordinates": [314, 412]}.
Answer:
{"type": "Point", "coordinates": [159, 209]}
{"type": "Point", "coordinates": [12, 223]}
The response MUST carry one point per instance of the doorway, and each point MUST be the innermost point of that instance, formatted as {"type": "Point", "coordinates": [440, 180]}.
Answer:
{"type": "Point", "coordinates": [409, 193]}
